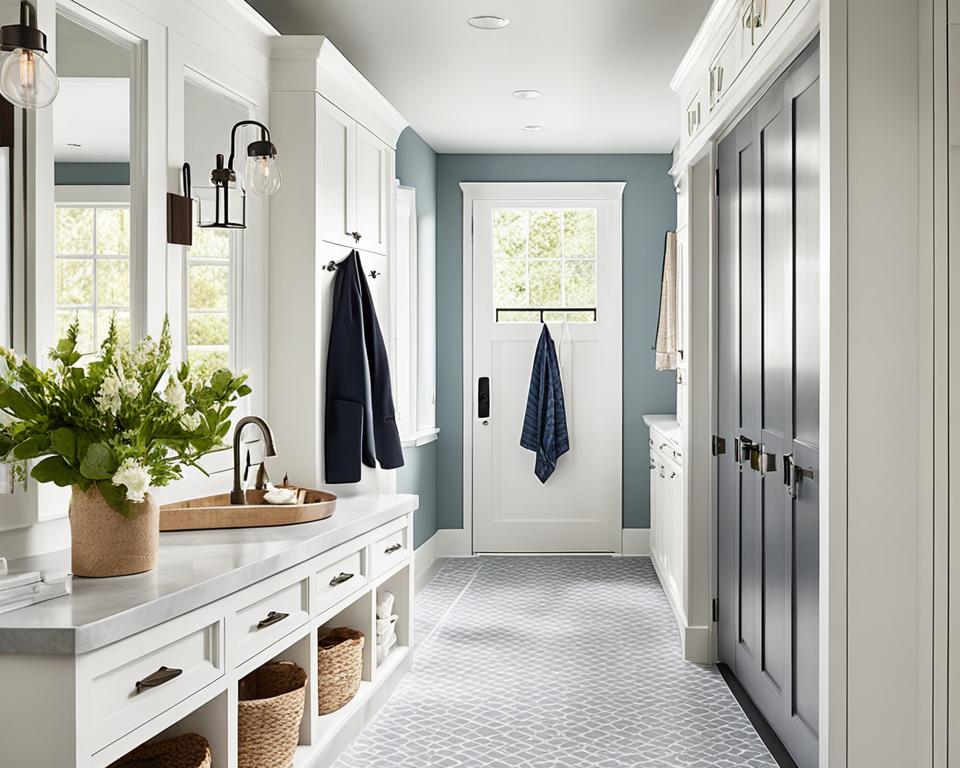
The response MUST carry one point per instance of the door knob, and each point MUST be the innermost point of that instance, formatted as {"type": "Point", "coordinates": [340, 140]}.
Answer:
{"type": "Point", "coordinates": [486, 422]}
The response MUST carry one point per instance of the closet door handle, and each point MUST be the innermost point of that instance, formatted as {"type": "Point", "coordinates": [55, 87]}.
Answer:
{"type": "Point", "coordinates": [337, 580]}
{"type": "Point", "coordinates": [272, 618]}
{"type": "Point", "coordinates": [158, 678]}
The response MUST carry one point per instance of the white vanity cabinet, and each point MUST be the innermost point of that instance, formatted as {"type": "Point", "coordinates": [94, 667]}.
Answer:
{"type": "Point", "coordinates": [125, 660]}
{"type": "Point", "coordinates": [666, 506]}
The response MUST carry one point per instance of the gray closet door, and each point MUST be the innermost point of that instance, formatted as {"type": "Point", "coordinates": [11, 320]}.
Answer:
{"type": "Point", "coordinates": [768, 396]}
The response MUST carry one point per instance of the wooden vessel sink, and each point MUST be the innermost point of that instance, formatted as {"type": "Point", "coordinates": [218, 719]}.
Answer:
{"type": "Point", "coordinates": [217, 512]}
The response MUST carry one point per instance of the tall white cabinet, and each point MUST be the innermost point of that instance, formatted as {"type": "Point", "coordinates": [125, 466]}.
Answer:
{"type": "Point", "coordinates": [338, 138]}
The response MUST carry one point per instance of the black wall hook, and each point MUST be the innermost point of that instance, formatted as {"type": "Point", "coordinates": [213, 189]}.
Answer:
{"type": "Point", "coordinates": [374, 274]}
{"type": "Point", "coordinates": [331, 266]}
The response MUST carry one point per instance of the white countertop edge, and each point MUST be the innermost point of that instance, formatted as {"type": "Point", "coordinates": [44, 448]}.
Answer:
{"type": "Point", "coordinates": [25, 630]}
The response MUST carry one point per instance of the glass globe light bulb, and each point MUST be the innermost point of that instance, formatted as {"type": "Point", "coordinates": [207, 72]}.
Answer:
{"type": "Point", "coordinates": [261, 175]}
{"type": "Point", "coordinates": [28, 80]}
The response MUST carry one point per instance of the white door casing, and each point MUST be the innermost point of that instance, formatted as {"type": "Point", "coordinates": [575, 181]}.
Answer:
{"type": "Point", "coordinates": [506, 509]}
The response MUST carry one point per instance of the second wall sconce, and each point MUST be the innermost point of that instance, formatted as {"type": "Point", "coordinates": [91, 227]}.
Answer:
{"type": "Point", "coordinates": [261, 177]}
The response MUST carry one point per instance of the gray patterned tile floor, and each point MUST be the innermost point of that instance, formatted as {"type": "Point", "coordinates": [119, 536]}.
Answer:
{"type": "Point", "coordinates": [550, 662]}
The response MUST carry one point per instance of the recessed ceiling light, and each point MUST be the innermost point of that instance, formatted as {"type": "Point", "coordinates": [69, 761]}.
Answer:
{"type": "Point", "coordinates": [488, 22]}
{"type": "Point", "coordinates": [533, 128]}
{"type": "Point", "coordinates": [532, 93]}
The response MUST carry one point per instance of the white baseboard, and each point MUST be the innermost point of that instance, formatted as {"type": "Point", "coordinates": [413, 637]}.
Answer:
{"type": "Point", "coordinates": [454, 542]}
{"type": "Point", "coordinates": [636, 542]}
{"type": "Point", "coordinates": [696, 645]}
{"type": "Point", "coordinates": [426, 562]}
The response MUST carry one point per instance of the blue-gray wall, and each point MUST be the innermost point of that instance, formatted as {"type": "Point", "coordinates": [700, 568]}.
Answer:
{"type": "Point", "coordinates": [417, 167]}
{"type": "Point", "coordinates": [91, 173]}
{"type": "Point", "coordinates": [649, 210]}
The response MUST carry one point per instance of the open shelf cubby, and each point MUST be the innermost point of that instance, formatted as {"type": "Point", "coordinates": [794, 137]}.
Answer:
{"type": "Point", "coordinates": [400, 585]}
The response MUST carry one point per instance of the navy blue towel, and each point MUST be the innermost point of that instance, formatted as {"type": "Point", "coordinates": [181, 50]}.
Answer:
{"type": "Point", "coordinates": [545, 422]}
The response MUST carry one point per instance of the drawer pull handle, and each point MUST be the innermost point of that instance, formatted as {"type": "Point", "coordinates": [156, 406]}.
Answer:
{"type": "Point", "coordinates": [272, 618]}
{"type": "Point", "coordinates": [340, 579]}
{"type": "Point", "coordinates": [392, 549]}
{"type": "Point", "coordinates": [161, 676]}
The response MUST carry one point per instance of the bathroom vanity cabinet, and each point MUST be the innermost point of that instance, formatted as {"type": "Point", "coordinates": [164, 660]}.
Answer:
{"type": "Point", "coordinates": [666, 508]}
{"type": "Point", "coordinates": [89, 677]}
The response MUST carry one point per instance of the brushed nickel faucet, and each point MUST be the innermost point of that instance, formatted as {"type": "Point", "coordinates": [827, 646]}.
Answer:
{"type": "Point", "coordinates": [237, 495]}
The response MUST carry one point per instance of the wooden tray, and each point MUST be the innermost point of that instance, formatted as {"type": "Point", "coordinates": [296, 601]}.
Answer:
{"type": "Point", "coordinates": [217, 511]}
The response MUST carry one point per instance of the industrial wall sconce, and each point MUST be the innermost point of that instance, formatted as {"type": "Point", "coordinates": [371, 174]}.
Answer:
{"type": "Point", "coordinates": [26, 77]}
{"type": "Point", "coordinates": [261, 177]}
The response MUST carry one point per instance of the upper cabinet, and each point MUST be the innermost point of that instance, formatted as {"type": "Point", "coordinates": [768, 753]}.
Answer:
{"type": "Point", "coordinates": [355, 175]}
{"type": "Point", "coordinates": [336, 146]}
{"type": "Point", "coordinates": [373, 179]}
{"type": "Point", "coordinates": [738, 45]}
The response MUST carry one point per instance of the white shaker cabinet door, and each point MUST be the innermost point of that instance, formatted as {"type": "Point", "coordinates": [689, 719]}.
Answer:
{"type": "Point", "coordinates": [373, 185]}
{"type": "Point", "coordinates": [337, 157]}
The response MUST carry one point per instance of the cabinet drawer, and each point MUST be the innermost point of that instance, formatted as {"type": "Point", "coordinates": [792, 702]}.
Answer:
{"type": "Point", "coordinates": [390, 548]}
{"type": "Point", "coordinates": [342, 578]}
{"type": "Point", "coordinates": [268, 618]}
{"type": "Point", "coordinates": [125, 697]}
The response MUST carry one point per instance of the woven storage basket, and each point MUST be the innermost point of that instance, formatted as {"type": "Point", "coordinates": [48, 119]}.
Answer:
{"type": "Point", "coordinates": [270, 711]}
{"type": "Point", "coordinates": [339, 668]}
{"type": "Point", "coordinates": [187, 751]}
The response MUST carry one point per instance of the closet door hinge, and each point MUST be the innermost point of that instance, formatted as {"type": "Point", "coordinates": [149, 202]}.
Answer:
{"type": "Point", "coordinates": [716, 610]}
{"type": "Point", "coordinates": [718, 445]}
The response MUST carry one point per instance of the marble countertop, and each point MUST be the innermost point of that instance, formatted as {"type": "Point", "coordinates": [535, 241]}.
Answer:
{"type": "Point", "coordinates": [195, 568]}
{"type": "Point", "coordinates": [666, 425]}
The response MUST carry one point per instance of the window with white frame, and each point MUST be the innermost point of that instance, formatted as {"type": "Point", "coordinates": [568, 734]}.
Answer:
{"type": "Point", "coordinates": [208, 304]}
{"type": "Point", "coordinates": [414, 329]}
{"type": "Point", "coordinates": [93, 271]}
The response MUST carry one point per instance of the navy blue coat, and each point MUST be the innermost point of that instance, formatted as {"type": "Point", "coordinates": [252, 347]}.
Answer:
{"type": "Point", "coordinates": [361, 421]}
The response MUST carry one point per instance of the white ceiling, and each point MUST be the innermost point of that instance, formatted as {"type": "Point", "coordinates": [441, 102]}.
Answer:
{"type": "Point", "coordinates": [603, 66]}
{"type": "Point", "coordinates": [93, 112]}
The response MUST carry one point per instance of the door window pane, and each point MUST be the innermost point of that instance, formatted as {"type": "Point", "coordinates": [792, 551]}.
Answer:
{"type": "Point", "coordinates": [545, 259]}
{"type": "Point", "coordinates": [92, 272]}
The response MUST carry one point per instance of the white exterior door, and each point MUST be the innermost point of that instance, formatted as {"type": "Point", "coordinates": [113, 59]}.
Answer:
{"type": "Point", "coordinates": [550, 251]}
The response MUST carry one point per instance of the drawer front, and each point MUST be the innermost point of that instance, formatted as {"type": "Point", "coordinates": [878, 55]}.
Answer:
{"type": "Point", "coordinates": [266, 620]}
{"type": "Point", "coordinates": [341, 579]}
{"type": "Point", "coordinates": [390, 549]}
{"type": "Point", "coordinates": [127, 696]}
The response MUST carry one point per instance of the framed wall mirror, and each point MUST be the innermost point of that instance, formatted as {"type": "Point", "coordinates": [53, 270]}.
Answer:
{"type": "Point", "coordinates": [94, 126]}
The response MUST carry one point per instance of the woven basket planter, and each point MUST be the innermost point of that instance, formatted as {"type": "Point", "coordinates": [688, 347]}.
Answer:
{"type": "Point", "coordinates": [339, 668]}
{"type": "Point", "coordinates": [187, 751]}
{"type": "Point", "coordinates": [270, 710]}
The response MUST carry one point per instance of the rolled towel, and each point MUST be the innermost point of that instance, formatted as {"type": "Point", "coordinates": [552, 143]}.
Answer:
{"type": "Point", "coordinates": [384, 650]}
{"type": "Point", "coordinates": [386, 637]}
{"type": "Point", "coordinates": [384, 604]}
{"type": "Point", "coordinates": [386, 625]}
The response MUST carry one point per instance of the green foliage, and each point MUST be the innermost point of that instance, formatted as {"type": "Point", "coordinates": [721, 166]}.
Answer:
{"type": "Point", "coordinates": [122, 422]}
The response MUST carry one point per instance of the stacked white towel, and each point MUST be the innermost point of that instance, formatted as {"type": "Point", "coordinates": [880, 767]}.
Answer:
{"type": "Point", "coordinates": [386, 624]}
